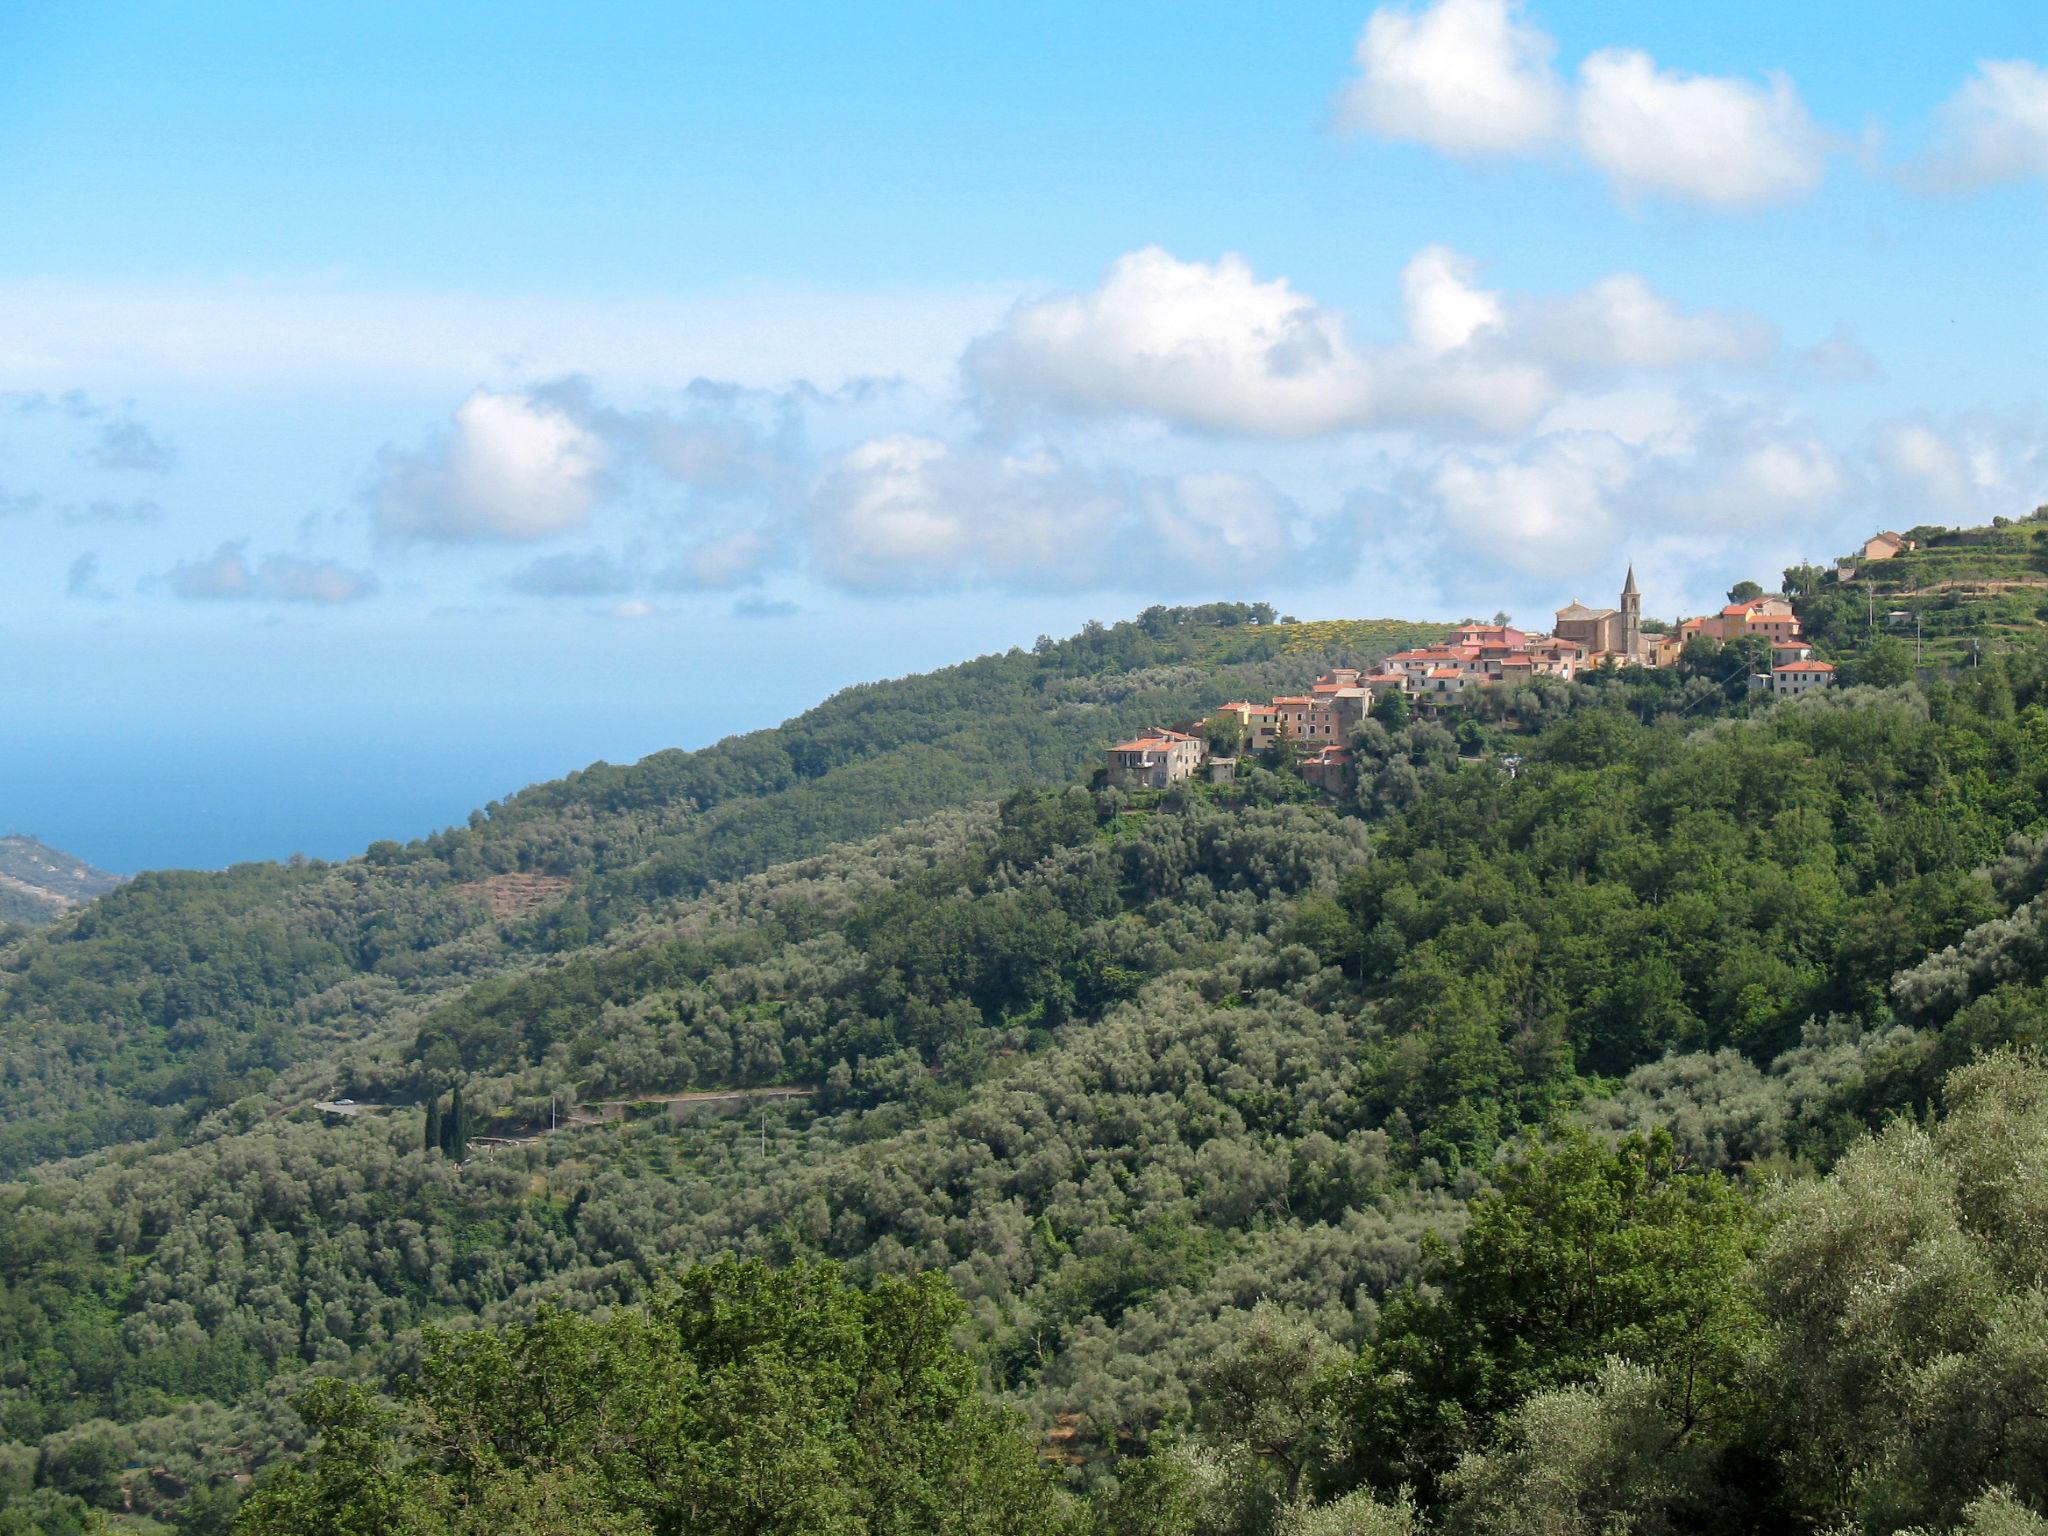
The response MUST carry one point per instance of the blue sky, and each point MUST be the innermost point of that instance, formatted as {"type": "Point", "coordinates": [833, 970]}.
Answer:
{"type": "Point", "coordinates": [401, 403]}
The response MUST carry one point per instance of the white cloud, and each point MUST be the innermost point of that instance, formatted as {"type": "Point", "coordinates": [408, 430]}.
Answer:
{"type": "Point", "coordinates": [718, 438]}
{"type": "Point", "coordinates": [1219, 526]}
{"type": "Point", "coordinates": [1475, 77]}
{"type": "Point", "coordinates": [1745, 474]}
{"type": "Point", "coordinates": [908, 512]}
{"type": "Point", "coordinates": [1621, 322]}
{"type": "Point", "coordinates": [1723, 484]}
{"type": "Point", "coordinates": [1709, 139]}
{"type": "Point", "coordinates": [1551, 504]}
{"type": "Point", "coordinates": [1216, 349]}
{"type": "Point", "coordinates": [509, 467]}
{"type": "Point", "coordinates": [1965, 471]}
{"type": "Point", "coordinates": [1468, 77]}
{"type": "Point", "coordinates": [1207, 345]}
{"type": "Point", "coordinates": [229, 575]}
{"type": "Point", "coordinates": [911, 513]}
{"type": "Point", "coordinates": [1995, 128]}
{"type": "Point", "coordinates": [1444, 309]}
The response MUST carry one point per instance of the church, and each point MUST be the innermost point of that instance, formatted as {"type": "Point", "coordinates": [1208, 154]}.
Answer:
{"type": "Point", "coordinates": [1618, 631]}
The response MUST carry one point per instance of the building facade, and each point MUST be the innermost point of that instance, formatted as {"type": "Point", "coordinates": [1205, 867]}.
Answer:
{"type": "Point", "coordinates": [1154, 761]}
{"type": "Point", "coordinates": [1798, 677]}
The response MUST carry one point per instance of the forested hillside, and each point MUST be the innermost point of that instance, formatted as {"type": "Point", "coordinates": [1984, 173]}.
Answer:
{"type": "Point", "coordinates": [39, 884]}
{"type": "Point", "coordinates": [185, 991]}
{"type": "Point", "coordinates": [1618, 1115]}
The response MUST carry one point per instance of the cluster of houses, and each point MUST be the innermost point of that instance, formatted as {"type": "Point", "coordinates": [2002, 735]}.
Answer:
{"type": "Point", "coordinates": [1470, 658]}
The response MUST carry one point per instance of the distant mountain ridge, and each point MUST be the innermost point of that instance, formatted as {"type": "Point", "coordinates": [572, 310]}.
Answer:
{"type": "Point", "coordinates": [39, 884]}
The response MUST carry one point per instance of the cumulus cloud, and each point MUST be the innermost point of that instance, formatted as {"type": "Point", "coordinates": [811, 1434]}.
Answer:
{"type": "Point", "coordinates": [1468, 77]}
{"type": "Point", "coordinates": [1963, 471]}
{"type": "Point", "coordinates": [1206, 344]}
{"type": "Point", "coordinates": [718, 438]}
{"type": "Point", "coordinates": [508, 466]}
{"type": "Point", "coordinates": [764, 608]}
{"type": "Point", "coordinates": [1710, 139]}
{"type": "Point", "coordinates": [230, 575]}
{"type": "Point", "coordinates": [1622, 323]}
{"type": "Point", "coordinates": [907, 513]}
{"type": "Point", "coordinates": [1551, 504]}
{"type": "Point", "coordinates": [1475, 77]}
{"type": "Point", "coordinates": [1444, 306]}
{"type": "Point", "coordinates": [1995, 128]}
{"type": "Point", "coordinates": [1748, 472]}
{"type": "Point", "coordinates": [1214, 348]}
{"type": "Point", "coordinates": [1564, 502]}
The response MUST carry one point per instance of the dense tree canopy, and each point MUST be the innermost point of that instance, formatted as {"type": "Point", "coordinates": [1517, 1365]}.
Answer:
{"type": "Point", "coordinates": [1522, 1141]}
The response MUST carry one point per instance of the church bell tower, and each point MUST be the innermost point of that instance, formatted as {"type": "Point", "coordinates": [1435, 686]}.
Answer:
{"type": "Point", "coordinates": [1631, 616]}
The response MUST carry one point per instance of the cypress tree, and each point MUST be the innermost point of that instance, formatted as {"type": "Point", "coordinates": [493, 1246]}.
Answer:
{"type": "Point", "coordinates": [455, 1127]}
{"type": "Point", "coordinates": [433, 1138]}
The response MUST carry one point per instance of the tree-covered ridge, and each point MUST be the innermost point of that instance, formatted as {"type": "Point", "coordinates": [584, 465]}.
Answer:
{"type": "Point", "coordinates": [1618, 1343]}
{"type": "Point", "coordinates": [184, 991]}
{"type": "Point", "coordinates": [1122, 1068]}
{"type": "Point", "coordinates": [38, 883]}
{"type": "Point", "coordinates": [1181, 1093]}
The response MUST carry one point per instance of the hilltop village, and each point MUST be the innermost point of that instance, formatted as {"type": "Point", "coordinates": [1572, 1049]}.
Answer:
{"type": "Point", "coordinates": [1469, 658]}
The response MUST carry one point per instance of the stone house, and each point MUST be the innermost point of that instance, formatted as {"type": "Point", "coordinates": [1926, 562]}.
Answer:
{"type": "Point", "coordinates": [1329, 769]}
{"type": "Point", "coordinates": [1155, 760]}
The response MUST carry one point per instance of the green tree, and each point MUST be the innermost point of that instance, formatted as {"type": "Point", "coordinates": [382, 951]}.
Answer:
{"type": "Point", "coordinates": [455, 1126]}
{"type": "Point", "coordinates": [1907, 1295]}
{"type": "Point", "coordinates": [1286, 753]}
{"type": "Point", "coordinates": [1226, 734]}
{"type": "Point", "coordinates": [1743, 591]}
{"type": "Point", "coordinates": [433, 1130]}
{"type": "Point", "coordinates": [1886, 663]}
{"type": "Point", "coordinates": [1392, 709]}
{"type": "Point", "coordinates": [741, 1399]}
{"type": "Point", "coordinates": [1803, 580]}
{"type": "Point", "coordinates": [1586, 1251]}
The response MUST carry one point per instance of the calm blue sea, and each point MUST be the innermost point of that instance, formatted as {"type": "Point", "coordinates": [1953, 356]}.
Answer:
{"type": "Point", "coordinates": [129, 802]}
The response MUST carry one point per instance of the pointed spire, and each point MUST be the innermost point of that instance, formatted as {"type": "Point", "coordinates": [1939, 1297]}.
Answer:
{"type": "Point", "coordinates": [1628, 588]}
